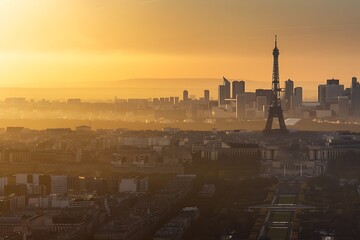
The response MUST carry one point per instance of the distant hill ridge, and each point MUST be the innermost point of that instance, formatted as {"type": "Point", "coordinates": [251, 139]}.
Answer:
{"type": "Point", "coordinates": [136, 88]}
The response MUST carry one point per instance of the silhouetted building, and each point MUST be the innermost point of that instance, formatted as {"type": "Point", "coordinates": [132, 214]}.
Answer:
{"type": "Point", "coordinates": [240, 106]}
{"type": "Point", "coordinates": [58, 184]}
{"type": "Point", "coordinates": [264, 92]}
{"type": "Point", "coordinates": [15, 130]}
{"type": "Point", "coordinates": [298, 99]}
{"type": "Point", "coordinates": [74, 101]}
{"type": "Point", "coordinates": [330, 92]}
{"type": "Point", "coordinates": [238, 87]}
{"type": "Point", "coordinates": [15, 101]}
{"type": "Point", "coordinates": [83, 128]}
{"type": "Point", "coordinates": [185, 95]}
{"type": "Point", "coordinates": [355, 97]}
{"type": "Point", "coordinates": [289, 94]}
{"type": "Point", "coordinates": [177, 100]}
{"type": "Point", "coordinates": [45, 180]}
{"type": "Point", "coordinates": [261, 103]}
{"type": "Point", "coordinates": [250, 99]}
{"type": "Point", "coordinates": [224, 92]}
{"type": "Point", "coordinates": [343, 107]}
{"type": "Point", "coordinates": [17, 189]}
{"type": "Point", "coordinates": [206, 95]}
{"type": "Point", "coordinates": [322, 95]}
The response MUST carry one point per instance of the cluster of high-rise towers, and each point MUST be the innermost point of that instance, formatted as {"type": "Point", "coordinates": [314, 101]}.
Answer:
{"type": "Point", "coordinates": [334, 97]}
{"type": "Point", "coordinates": [291, 98]}
{"type": "Point", "coordinates": [270, 98]}
{"type": "Point", "coordinates": [334, 100]}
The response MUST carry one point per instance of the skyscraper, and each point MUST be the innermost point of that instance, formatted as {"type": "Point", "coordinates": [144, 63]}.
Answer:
{"type": "Point", "coordinates": [238, 87]}
{"type": "Point", "coordinates": [207, 95]}
{"type": "Point", "coordinates": [298, 99]}
{"type": "Point", "coordinates": [224, 91]}
{"type": "Point", "coordinates": [221, 92]}
{"type": "Point", "coordinates": [330, 92]}
{"type": "Point", "coordinates": [266, 93]}
{"type": "Point", "coordinates": [322, 94]}
{"type": "Point", "coordinates": [355, 97]}
{"type": "Point", "coordinates": [261, 103]}
{"type": "Point", "coordinates": [240, 106]}
{"type": "Point", "coordinates": [289, 94]}
{"type": "Point", "coordinates": [333, 90]}
{"type": "Point", "coordinates": [343, 107]}
{"type": "Point", "coordinates": [185, 95]}
{"type": "Point", "coordinates": [226, 84]}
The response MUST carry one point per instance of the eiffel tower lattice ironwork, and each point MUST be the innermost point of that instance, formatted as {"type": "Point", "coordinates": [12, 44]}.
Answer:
{"type": "Point", "coordinates": [275, 110]}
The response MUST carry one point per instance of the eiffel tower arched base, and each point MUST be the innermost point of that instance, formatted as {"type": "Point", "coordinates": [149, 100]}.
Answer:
{"type": "Point", "coordinates": [275, 112]}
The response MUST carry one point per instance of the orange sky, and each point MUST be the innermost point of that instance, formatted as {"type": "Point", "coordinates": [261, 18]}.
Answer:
{"type": "Point", "coordinates": [46, 43]}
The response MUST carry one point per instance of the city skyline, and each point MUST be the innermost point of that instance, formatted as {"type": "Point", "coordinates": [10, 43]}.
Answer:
{"type": "Point", "coordinates": [179, 119]}
{"type": "Point", "coordinates": [87, 43]}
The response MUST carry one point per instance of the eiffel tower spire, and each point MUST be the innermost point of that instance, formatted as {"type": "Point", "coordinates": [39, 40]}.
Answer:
{"type": "Point", "coordinates": [275, 110]}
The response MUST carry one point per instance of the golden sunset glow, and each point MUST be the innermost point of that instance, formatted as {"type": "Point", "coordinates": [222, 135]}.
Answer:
{"type": "Point", "coordinates": [46, 43]}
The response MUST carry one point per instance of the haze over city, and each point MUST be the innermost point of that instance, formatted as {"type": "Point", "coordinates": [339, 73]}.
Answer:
{"type": "Point", "coordinates": [179, 119]}
{"type": "Point", "coordinates": [89, 43]}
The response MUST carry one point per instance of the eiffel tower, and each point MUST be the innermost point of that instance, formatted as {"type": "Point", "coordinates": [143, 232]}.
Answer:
{"type": "Point", "coordinates": [275, 110]}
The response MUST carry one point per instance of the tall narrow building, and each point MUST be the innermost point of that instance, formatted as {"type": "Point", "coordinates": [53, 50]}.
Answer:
{"type": "Point", "coordinates": [355, 97]}
{"type": "Point", "coordinates": [275, 110]}
{"type": "Point", "coordinates": [289, 95]}
{"type": "Point", "coordinates": [226, 84]}
{"type": "Point", "coordinates": [224, 91]}
{"type": "Point", "coordinates": [185, 95]}
{"type": "Point", "coordinates": [207, 95]}
{"type": "Point", "coordinates": [240, 106]}
{"type": "Point", "coordinates": [298, 99]}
